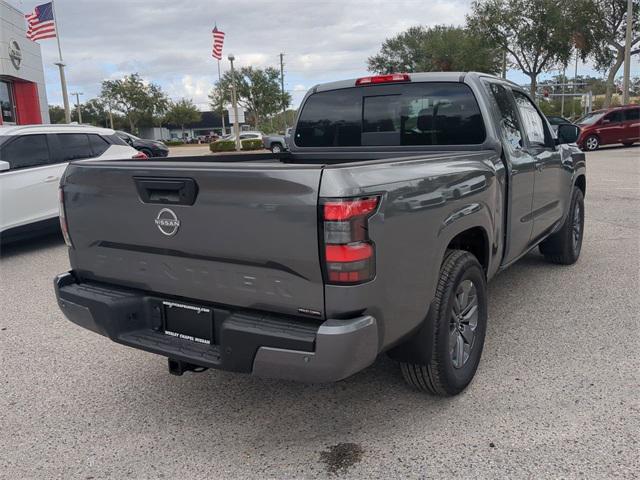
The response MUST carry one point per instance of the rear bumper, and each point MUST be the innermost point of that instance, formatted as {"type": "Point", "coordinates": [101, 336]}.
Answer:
{"type": "Point", "coordinates": [264, 345]}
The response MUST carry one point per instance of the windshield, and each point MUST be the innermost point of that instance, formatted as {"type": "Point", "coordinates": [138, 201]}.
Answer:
{"type": "Point", "coordinates": [425, 113]}
{"type": "Point", "coordinates": [591, 118]}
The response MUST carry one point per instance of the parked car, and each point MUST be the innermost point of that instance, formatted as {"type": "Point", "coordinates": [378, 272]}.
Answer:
{"type": "Point", "coordinates": [275, 143]}
{"type": "Point", "coordinates": [611, 126]}
{"type": "Point", "coordinates": [32, 161]}
{"type": "Point", "coordinates": [151, 148]}
{"type": "Point", "coordinates": [377, 233]}
{"type": "Point", "coordinates": [555, 120]}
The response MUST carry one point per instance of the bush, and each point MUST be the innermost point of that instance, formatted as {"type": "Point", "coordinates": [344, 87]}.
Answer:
{"type": "Point", "coordinates": [230, 145]}
{"type": "Point", "coordinates": [173, 143]}
{"type": "Point", "coordinates": [252, 144]}
{"type": "Point", "coordinates": [222, 146]}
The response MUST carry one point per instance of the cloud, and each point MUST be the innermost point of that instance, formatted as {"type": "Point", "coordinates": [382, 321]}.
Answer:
{"type": "Point", "coordinates": [169, 41]}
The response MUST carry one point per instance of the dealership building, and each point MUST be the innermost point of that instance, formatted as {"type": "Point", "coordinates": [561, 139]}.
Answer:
{"type": "Point", "coordinates": [23, 98]}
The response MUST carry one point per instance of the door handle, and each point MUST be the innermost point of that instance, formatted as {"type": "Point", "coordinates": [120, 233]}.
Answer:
{"type": "Point", "coordinates": [51, 179]}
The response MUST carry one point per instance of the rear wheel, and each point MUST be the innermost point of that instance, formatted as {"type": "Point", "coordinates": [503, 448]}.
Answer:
{"type": "Point", "coordinates": [564, 246]}
{"type": "Point", "coordinates": [459, 319]}
{"type": "Point", "coordinates": [591, 143]}
{"type": "Point", "coordinates": [147, 152]}
{"type": "Point", "coordinates": [627, 144]}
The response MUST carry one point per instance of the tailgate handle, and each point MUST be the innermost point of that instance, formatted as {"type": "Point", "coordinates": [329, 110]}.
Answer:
{"type": "Point", "coordinates": [167, 191]}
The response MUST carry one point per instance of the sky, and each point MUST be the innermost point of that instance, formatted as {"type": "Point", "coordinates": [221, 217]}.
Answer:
{"type": "Point", "coordinates": [169, 41]}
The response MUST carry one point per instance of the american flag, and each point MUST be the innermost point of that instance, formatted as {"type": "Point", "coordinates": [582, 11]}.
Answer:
{"type": "Point", "coordinates": [218, 41]}
{"type": "Point", "coordinates": [41, 23]}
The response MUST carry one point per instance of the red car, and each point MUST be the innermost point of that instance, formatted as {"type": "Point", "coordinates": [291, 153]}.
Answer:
{"type": "Point", "coordinates": [606, 127]}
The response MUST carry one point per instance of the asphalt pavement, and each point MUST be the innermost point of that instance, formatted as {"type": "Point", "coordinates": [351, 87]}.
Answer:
{"type": "Point", "coordinates": [557, 394]}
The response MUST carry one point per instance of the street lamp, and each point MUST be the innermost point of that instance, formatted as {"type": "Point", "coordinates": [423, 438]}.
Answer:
{"type": "Point", "coordinates": [236, 125]}
{"type": "Point", "coordinates": [77, 94]}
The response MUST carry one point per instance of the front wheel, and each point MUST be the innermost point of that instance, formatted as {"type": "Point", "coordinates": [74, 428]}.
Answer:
{"type": "Point", "coordinates": [459, 319]}
{"type": "Point", "coordinates": [564, 246]}
{"type": "Point", "coordinates": [591, 143]}
{"type": "Point", "coordinates": [276, 148]}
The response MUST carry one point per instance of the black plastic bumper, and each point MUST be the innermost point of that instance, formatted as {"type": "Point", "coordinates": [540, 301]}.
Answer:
{"type": "Point", "coordinates": [263, 344]}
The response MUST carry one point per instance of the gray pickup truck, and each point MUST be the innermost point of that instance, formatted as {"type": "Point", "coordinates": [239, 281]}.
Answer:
{"type": "Point", "coordinates": [401, 196]}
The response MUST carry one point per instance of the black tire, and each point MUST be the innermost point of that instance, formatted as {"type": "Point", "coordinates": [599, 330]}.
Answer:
{"type": "Point", "coordinates": [440, 375]}
{"type": "Point", "coordinates": [147, 152]}
{"type": "Point", "coordinates": [627, 144]}
{"type": "Point", "coordinates": [591, 143]}
{"type": "Point", "coordinates": [564, 246]}
{"type": "Point", "coordinates": [276, 148]}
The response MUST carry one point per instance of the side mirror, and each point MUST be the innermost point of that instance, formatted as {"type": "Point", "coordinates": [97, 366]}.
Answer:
{"type": "Point", "coordinates": [4, 166]}
{"type": "Point", "coordinates": [568, 133]}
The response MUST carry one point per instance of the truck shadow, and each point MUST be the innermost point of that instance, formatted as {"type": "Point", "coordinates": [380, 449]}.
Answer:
{"type": "Point", "coordinates": [27, 246]}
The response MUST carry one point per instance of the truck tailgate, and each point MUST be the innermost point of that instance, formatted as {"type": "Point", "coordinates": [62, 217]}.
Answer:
{"type": "Point", "coordinates": [249, 239]}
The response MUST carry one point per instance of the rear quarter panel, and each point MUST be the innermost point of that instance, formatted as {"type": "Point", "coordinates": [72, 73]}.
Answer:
{"type": "Point", "coordinates": [425, 203]}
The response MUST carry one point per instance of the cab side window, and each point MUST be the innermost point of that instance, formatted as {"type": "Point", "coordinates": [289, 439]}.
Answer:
{"type": "Point", "coordinates": [509, 125]}
{"type": "Point", "coordinates": [74, 146]}
{"type": "Point", "coordinates": [531, 119]}
{"type": "Point", "coordinates": [633, 114]}
{"type": "Point", "coordinates": [26, 151]}
{"type": "Point", "coordinates": [614, 117]}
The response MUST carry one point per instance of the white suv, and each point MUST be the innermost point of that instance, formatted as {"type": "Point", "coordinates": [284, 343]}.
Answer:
{"type": "Point", "coordinates": [32, 160]}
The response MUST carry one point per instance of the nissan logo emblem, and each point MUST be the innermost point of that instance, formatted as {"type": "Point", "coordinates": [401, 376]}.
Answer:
{"type": "Point", "coordinates": [15, 54]}
{"type": "Point", "coordinates": [167, 222]}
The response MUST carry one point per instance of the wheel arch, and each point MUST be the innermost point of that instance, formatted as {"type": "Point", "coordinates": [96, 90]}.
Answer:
{"type": "Point", "coordinates": [581, 183]}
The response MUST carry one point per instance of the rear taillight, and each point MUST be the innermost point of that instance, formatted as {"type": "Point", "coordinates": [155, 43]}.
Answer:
{"type": "Point", "coordinates": [391, 78]}
{"type": "Point", "coordinates": [140, 156]}
{"type": "Point", "coordinates": [63, 218]}
{"type": "Point", "coordinates": [349, 255]}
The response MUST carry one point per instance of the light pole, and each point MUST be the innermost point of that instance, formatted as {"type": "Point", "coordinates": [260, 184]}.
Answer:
{"type": "Point", "coordinates": [234, 101]}
{"type": "Point", "coordinates": [627, 54]}
{"type": "Point", "coordinates": [77, 94]}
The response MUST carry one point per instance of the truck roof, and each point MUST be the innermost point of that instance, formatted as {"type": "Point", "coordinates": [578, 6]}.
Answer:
{"type": "Point", "coordinates": [415, 77]}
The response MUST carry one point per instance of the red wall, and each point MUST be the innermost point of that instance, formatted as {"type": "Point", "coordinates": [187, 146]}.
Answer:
{"type": "Point", "coordinates": [27, 103]}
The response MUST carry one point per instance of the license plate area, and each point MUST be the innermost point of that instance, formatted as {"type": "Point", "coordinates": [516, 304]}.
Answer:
{"type": "Point", "coordinates": [188, 322]}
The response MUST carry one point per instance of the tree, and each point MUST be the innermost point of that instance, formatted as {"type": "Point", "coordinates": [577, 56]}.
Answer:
{"type": "Point", "coordinates": [133, 97]}
{"type": "Point", "coordinates": [439, 48]}
{"type": "Point", "coordinates": [56, 114]}
{"type": "Point", "coordinates": [606, 34]}
{"type": "Point", "coordinates": [258, 91]}
{"type": "Point", "coordinates": [537, 34]}
{"type": "Point", "coordinates": [183, 112]}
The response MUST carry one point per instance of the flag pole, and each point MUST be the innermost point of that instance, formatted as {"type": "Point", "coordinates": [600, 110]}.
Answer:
{"type": "Point", "coordinates": [224, 129]}
{"type": "Point", "coordinates": [60, 64]}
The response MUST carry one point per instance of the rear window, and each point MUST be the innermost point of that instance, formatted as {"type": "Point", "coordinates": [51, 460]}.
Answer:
{"type": "Point", "coordinates": [98, 144]}
{"type": "Point", "coordinates": [406, 114]}
{"type": "Point", "coordinates": [74, 146]}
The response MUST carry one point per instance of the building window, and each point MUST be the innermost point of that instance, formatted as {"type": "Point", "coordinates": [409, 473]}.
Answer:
{"type": "Point", "coordinates": [6, 103]}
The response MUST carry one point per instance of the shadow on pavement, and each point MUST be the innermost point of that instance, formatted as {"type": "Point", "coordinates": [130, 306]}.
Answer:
{"type": "Point", "coordinates": [29, 245]}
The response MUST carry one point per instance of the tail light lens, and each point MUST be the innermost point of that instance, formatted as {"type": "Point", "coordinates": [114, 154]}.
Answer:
{"type": "Point", "coordinates": [349, 255]}
{"type": "Point", "coordinates": [63, 219]}
{"type": "Point", "coordinates": [140, 156]}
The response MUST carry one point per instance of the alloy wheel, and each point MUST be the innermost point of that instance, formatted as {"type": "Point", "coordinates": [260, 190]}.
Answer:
{"type": "Point", "coordinates": [463, 323]}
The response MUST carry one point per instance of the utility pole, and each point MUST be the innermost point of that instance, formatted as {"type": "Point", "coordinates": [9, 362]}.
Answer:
{"type": "Point", "coordinates": [627, 54]}
{"type": "Point", "coordinates": [77, 94]}
{"type": "Point", "coordinates": [284, 106]}
{"type": "Point", "coordinates": [60, 64]}
{"type": "Point", "coordinates": [575, 87]}
{"type": "Point", "coordinates": [564, 80]}
{"type": "Point", "coordinates": [236, 125]}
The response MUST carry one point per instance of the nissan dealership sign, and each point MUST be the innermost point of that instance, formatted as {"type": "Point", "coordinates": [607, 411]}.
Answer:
{"type": "Point", "coordinates": [15, 54]}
